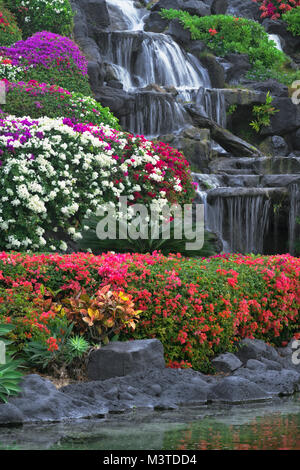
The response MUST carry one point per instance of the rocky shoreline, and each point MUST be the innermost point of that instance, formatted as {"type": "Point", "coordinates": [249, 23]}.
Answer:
{"type": "Point", "coordinates": [256, 373]}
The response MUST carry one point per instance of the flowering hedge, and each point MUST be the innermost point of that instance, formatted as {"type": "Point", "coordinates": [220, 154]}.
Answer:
{"type": "Point", "coordinates": [9, 31]}
{"type": "Point", "coordinates": [197, 308]}
{"type": "Point", "coordinates": [50, 58]}
{"type": "Point", "coordinates": [275, 8]}
{"type": "Point", "coordinates": [54, 173]}
{"type": "Point", "coordinates": [40, 99]}
{"type": "Point", "coordinates": [42, 15]}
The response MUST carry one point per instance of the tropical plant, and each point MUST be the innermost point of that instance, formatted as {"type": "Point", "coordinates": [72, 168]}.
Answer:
{"type": "Point", "coordinates": [10, 376]}
{"type": "Point", "coordinates": [263, 113]}
{"type": "Point", "coordinates": [101, 316]}
{"type": "Point", "coordinates": [292, 18]}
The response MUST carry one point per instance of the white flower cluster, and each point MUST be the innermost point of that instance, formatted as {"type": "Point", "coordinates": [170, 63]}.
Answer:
{"type": "Point", "coordinates": [56, 176]}
{"type": "Point", "coordinates": [39, 6]}
{"type": "Point", "coordinates": [12, 73]}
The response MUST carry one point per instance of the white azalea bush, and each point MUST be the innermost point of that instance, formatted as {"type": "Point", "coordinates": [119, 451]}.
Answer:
{"type": "Point", "coordinates": [55, 173]}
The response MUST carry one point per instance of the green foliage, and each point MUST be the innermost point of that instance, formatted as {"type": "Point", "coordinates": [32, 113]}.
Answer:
{"type": "Point", "coordinates": [77, 347]}
{"type": "Point", "coordinates": [224, 34]}
{"type": "Point", "coordinates": [42, 15]}
{"type": "Point", "coordinates": [263, 113]}
{"type": "Point", "coordinates": [37, 100]}
{"type": "Point", "coordinates": [232, 109]}
{"type": "Point", "coordinates": [282, 74]}
{"type": "Point", "coordinates": [9, 31]}
{"type": "Point", "coordinates": [90, 241]}
{"type": "Point", "coordinates": [9, 374]}
{"type": "Point", "coordinates": [292, 18]}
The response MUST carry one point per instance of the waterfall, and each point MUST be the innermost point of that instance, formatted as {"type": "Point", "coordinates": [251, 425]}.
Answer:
{"type": "Point", "coordinates": [240, 220]}
{"type": "Point", "coordinates": [126, 15]}
{"type": "Point", "coordinates": [294, 216]}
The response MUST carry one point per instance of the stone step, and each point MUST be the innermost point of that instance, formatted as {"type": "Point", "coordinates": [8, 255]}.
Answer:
{"type": "Point", "coordinates": [256, 166]}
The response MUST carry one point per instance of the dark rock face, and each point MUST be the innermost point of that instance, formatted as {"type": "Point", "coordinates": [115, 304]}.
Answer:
{"type": "Point", "coordinates": [286, 120]}
{"type": "Point", "coordinates": [239, 65]}
{"type": "Point", "coordinates": [226, 362]}
{"type": "Point", "coordinates": [215, 70]}
{"type": "Point", "coordinates": [275, 88]}
{"type": "Point", "coordinates": [260, 374]}
{"type": "Point", "coordinates": [244, 9]}
{"type": "Point", "coordinates": [177, 31]}
{"type": "Point", "coordinates": [41, 401]}
{"type": "Point", "coordinates": [118, 359]}
{"type": "Point", "coordinates": [119, 101]}
{"type": "Point", "coordinates": [194, 7]}
{"type": "Point", "coordinates": [219, 7]}
{"type": "Point", "coordinates": [155, 23]}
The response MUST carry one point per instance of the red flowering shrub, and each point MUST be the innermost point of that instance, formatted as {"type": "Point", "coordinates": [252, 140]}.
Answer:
{"type": "Point", "coordinates": [9, 31]}
{"type": "Point", "coordinates": [275, 8]}
{"type": "Point", "coordinates": [197, 308]}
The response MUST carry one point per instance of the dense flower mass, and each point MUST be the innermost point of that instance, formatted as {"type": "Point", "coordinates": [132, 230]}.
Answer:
{"type": "Point", "coordinates": [50, 58]}
{"type": "Point", "coordinates": [275, 8]}
{"type": "Point", "coordinates": [197, 308]}
{"type": "Point", "coordinates": [9, 31]}
{"type": "Point", "coordinates": [41, 99]}
{"type": "Point", "coordinates": [54, 173]}
{"type": "Point", "coordinates": [42, 15]}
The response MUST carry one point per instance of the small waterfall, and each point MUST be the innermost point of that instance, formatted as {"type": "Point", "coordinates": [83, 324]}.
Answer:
{"type": "Point", "coordinates": [212, 102]}
{"type": "Point", "coordinates": [276, 39]}
{"type": "Point", "coordinates": [294, 217]}
{"type": "Point", "coordinates": [154, 114]}
{"type": "Point", "coordinates": [240, 220]}
{"type": "Point", "coordinates": [125, 15]}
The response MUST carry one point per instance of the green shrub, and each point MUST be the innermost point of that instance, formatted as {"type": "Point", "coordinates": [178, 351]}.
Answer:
{"type": "Point", "coordinates": [10, 376]}
{"type": "Point", "coordinates": [9, 31]}
{"type": "Point", "coordinates": [39, 99]}
{"type": "Point", "coordinates": [262, 114]}
{"type": "Point", "coordinates": [224, 34]}
{"type": "Point", "coordinates": [292, 18]}
{"type": "Point", "coordinates": [42, 15]}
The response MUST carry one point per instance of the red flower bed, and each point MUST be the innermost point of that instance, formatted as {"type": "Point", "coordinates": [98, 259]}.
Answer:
{"type": "Point", "coordinates": [197, 308]}
{"type": "Point", "coordinates": [275, 8]}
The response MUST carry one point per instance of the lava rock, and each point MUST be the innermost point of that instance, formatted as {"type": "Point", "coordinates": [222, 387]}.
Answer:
{"type": "Point", "coordinates": [244, 9]}
{"type": "Point", "coordinates": [275, 146]}
{"type": "Point", "coordinates": [119, 101]}
{"type": "Point", "coordinates": [118, 359]}
{"type": "Point", "coordinates": [273, 86]}
{"type": "Point", "coordinates": [236, 390]}
{"type": "Point", "coordinates": [215, 70]}
{"type": "Point", "coordinates": [254, 364]}
{"type": "Point", "coordinates": [219, 7]}
{"type": "Point", "coordinates": [239, 66]}
{"type": "Point", "coordinates": [227, 362]}
{"type": "Point", "coordinates": [10, 414]}
{"type": "Point", "coordinates": [155, 23]}
{"type": "Point", "coordinates": [256, 349]}
{"type": "Point", "coordinates": [286, 120]}
{"type": "Point", "coordinates": [178, 33]}
{"type": "Point", "coordinates": [284, 382]}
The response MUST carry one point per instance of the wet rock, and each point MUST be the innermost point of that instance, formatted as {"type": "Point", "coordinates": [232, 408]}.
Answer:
{"type": "Point", "coordinates": [155, 23]}
{"type": "Point", "coordinates": [236, 390]}
{"type": "Point", "coordinates": [254, 364]}
{"type": "Point", "coordinates": [286, 120]}
{"type": "Point", "coordinates": [41, 401]}
{"type": "Point", "coordinates": [244, 9]}
{"type": "Point", "coordinates": [274, 146]}
{"type": "Point", "coordinates": [284, 382]}
{"type": "Point", "coordinates": [10, 414]}
{"type": "Point", "coordinates": [178, 33]}
{"type": "Point", "coordinates": [118, 359]}
{"type": "Point", "coordinates": [219, 7]}
{"type": "Point", "coordinates": [215, 70]}
{"type": "Point", "coordinates": [119, 101]}
{"type": "Point", "coordinates": [227, 362]}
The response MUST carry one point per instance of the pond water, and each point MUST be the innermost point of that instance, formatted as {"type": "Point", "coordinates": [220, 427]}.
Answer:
{"type": "Point", "coordinates": [273, 425]}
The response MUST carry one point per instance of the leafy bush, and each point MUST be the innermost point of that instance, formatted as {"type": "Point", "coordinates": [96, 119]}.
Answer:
{"type": "Point", "coordinates": [55, 173]}
{"type": "Point", "coordinates": [102, 316]}
{"type": "Point", "coordinates": [225, 33]}
{"type": "Point", "coordinates": [275, 8]}
{"type": "Point", "coordinates": [43, 15]}
{"type": "Point", "coordinates": [40, 99]}
{"type": "Point", "coordinates": [50, 58]}
{"type": "Point", "coordinates": [9, 31]}
{"type": "Point", "coordinates": [197, 307]}
{"type": "Point", "coordinates": [10, 376]}
{"type": "Point", "coordinates": [292, 18]}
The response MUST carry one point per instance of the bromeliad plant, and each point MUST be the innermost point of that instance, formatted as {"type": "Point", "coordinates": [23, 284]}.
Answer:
{"type": "Point", "coordinates": [10, 376]}
{"type": "Point", "coordinates": [102, 316]}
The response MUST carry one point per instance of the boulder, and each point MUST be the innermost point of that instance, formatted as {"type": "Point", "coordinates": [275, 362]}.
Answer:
{"type": "Point", "coordinates": [254, 364]}
{"type": "Point", "coordinates": [178, 33]}
{"type": "Point", "coordinates": [239, 65]}
{"type": "Point", "coordinates": [119, 101]}
{"type": "Point", "coordinates": [286, 120]}
{"type": "Point", "coordinates": [215, 70]}
{"type": "Point", "coordinates": [284, 382]}
{"type": "Point", "coordinates": [118, 359]}
{"type": "Point", "coordinates": [244, 9]}
{"type": "Point", "coordinates": [227, 362]}
{"type": "Point", "coordinates": [274, 146]}
{"type": "Point", "coordinates": [256, 349]}
{"type": "Point", "coordinates": [96, 13]}
{"type": "Point", "coordinates": [236, 390]}
{"type": "Point", "coordinates": [219, 7]}
{"type": "Point", "coordinates": [273, 86]}
{"type": "Point", "coordinates": [155, 23]}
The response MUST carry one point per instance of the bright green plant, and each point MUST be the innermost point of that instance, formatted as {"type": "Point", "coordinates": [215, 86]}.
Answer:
{"type": "Point", "coordinates": [263, 113]}
{"type": "Point", "coordinates": [10, 376]}
{"type": "Point", "coordinates": [77, 347]}
{"type": "Point", "coordinates": [232, 108]}
{"type": "Point", "coordinates": [292, 18]}
{"type": "Point", "coordinates": [224, 34]}
{"type": "Point", "coordinates": [43, 15]}
{"type": "Point", "coordinates": [9, 31]}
